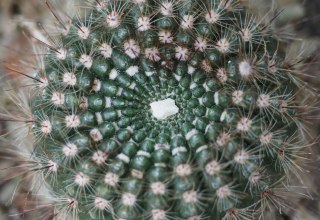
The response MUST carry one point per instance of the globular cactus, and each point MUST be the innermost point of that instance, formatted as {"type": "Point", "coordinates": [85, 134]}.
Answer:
{"type": "Point", "coordinates": [167, 109]}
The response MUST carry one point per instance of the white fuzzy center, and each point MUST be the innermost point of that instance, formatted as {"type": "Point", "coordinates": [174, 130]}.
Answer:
{"type": "Point", "coordinates": [113, 19]}
{"type": "Point", "coordinates": [61, 53]}
{"type": "Point", "coordinates": [201, 44]}
{"type": "Point", "coordinates": [241, 157]}
{"type": "Point", "coordinates": [84, 32]}
{"type": "Point", "coordinates": [111, 179]}
{"type": "Point", "coordinates": [223, 45]}
{"type": "Point", "coordinates": [46, 127]}
{"type": "Point", "coordinates": [99, 157]}
{"type": "Point", "coordinates": [132, 48]}
{"type": "Point", "coordinates": [165, 37]}
{"type": "Point", "coordinates": [237, 97]}
{"type": "Point", "coordinates": [212, 168]}
{"type": "Point", "coordinates": [69, 78]}
{"type": "Point", "coordinates": [96, 135]}
{"type": "Point", "coordinates": [182, 53]}
{"type": "Point", "coordinates": [158, 214]}
{"type": "Point", "coordinates": [72, 121]}
{"type": "Point", "coordinates": [86, 61]}
{"type": "Point", "coordinates": [106, 50]}
{"type": "Point", "coordinates": [158, 188]}
{"type": "Point", "coordinates": [129, 199]}
{"type": "Point", "coordinates": [212, 17]}
{"type": "Point", "coordinates": [223, 192]}
{"type": "Point", "coordinates": [244, 124]}
{"type": "Point", "coordinates": [266, 137]}
{"type": "Point", "coordinates": [245, 69]}
{"type": "Point", "coordinates": [246, 34]}
{"type": "Point", "coordinates": [166, 8]}
{"type": "Point", "coordinates": [255, 177]}
{"type": "Point", "coordinates": [70, 150]}
{"type": "Point", "coordinates": [164, 109]}
{"type": "Point", "coordinates": [222, 75]}
{"type": "Point", "coordinates": [183, 170]}
{"type": "Point", "coordinates": [223, 139]}
{"type": "Point", "coordinates": [101, 203]}
{"type": "Point", "coordinates": [58, 98]}
{"type": "Point", "coordinates": [81, 179]}
{"type": "Point", "coordinates": [190, 196]}
{"type": "Point", "coordinates": [143, 24]}
{"type": "Point", "coordinates": [53, 167]}
{"type": "Point", "coordinates": [187, 22]}
{"type": "Point", "coordinates": [152, 54]}
{"type": "Point", "coordinates": [263, 101]}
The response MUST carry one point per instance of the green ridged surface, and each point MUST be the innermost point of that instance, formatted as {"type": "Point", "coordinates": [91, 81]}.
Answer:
{"type": "Point", "coordinates": [219, 153]}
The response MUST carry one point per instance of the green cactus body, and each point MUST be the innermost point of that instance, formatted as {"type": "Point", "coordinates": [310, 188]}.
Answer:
{"type": "Point", "coordinates": [225, 141]}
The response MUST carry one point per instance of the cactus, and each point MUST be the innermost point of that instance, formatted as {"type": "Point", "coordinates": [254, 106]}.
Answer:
{"type": "Point", "coordinates": [167, 109]}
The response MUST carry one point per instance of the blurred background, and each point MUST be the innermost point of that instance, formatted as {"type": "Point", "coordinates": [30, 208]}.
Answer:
{"type": "Point", "coordinates": [299, 20]}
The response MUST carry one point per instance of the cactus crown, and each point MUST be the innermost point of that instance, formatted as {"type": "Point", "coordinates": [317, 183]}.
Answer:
{"type": "Point", "coordinates": [166, 109]}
